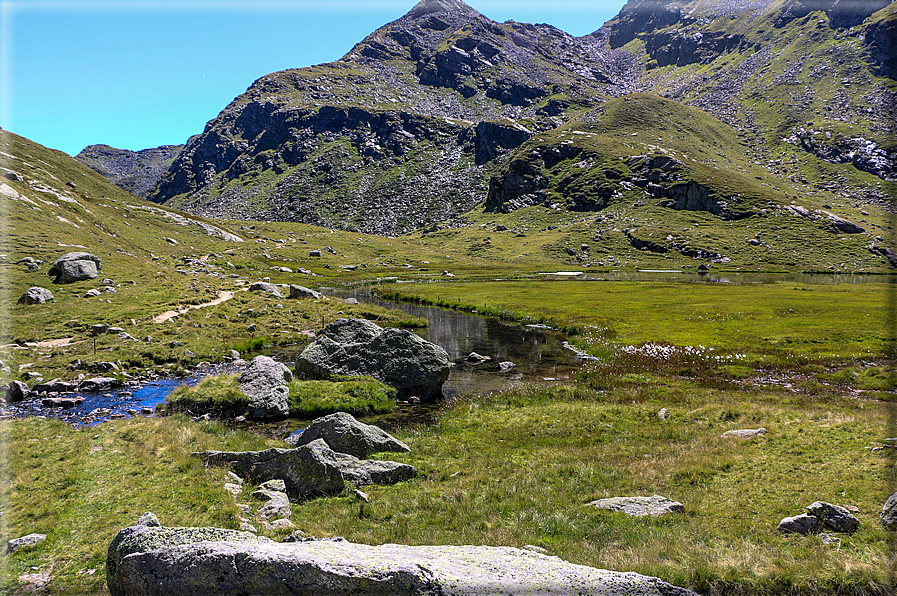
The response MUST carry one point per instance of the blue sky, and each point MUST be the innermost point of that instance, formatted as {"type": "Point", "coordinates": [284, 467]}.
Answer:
{"type": "Point", "coordinates": [135, 74]}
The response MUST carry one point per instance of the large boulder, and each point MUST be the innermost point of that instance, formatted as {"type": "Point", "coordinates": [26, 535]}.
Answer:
{"type": "Point", "coordinates": [264, 382]}
{"type": "Point", "coordinates": [330, 568]}
{"type": "Point", "coordinates": [17, 391]}
{"type": "Point", "coordinates": [310, 470]}
{"type": "Point", "coordinates": [264, 286]}
{"type": "Point", "coordinates": [36, 295]}
{"type": "Point", "coordinates": [352, 347]}
{"type": "Point", "coordinates": [143, 538]}
{"type": "Point", "coordinates": [297, 291]}
{"type": "Point", "coordinates": [75, 266]}
{"type": "Point", "coordinates": [344, 434]}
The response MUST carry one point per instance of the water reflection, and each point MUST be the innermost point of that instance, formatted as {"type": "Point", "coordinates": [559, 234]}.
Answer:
{"type": "Point", "coordinates": [538, 354]}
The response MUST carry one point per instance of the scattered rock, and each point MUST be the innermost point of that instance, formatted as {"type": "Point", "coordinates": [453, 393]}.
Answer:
{"type": "Point", "coordinates": [744, 433]}
{"type": "Point", "coordinates": [310, 470]}
{"type": "Point", "coordinates": [505, 366]}
{"type": "Point", "coordinates": [36, 295]}
{"type": "Point", "coordinates": [640, 506]}
{"type": "Point", "coordinates": [800, 524]}
{"type": "Point", "coordinates": [264, 382]}
{"type": "Point", "coordinates": [98, 384]}
{"type": "Point", "coordinates": [475, 358]}
{"type": "Point", "coordinates": [344, 434]}
{"type": "Point", "coordinates": [62, 402]}
{"type": "Point", "coordinates": [138, 564]}
{"type": "Point", "coordinates": [396, 357]}
{"type": "Point", "coordinates": [17, 544]}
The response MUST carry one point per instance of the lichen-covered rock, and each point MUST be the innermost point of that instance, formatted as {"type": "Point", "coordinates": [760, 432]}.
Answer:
{"type": "Point", "coordinates": [744, 433]}
{"type": "Point", "coordinates": [144, 539]}
{"type": "Point", "coordinates": [640, 506]}
{"type": "Point", "coordinates": [36, 295]}
{"type": "Point", "coordinates": [344, 434]}
{"type": "Point", "coordinates": [311, 470]}
{"type": "Point", "coordinates": [397, 357]}
{"type": "Point", "coordinates": [264, 382]}
{"type": "Point", "coordinates": [338, 567]}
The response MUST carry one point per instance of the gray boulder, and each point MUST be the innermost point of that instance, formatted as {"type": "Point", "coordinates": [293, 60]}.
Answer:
{"type": "Point", "coordinates": [889, 513]}
{"type": "Point", "coordinates": [352, 347]}
{"type": "Point", "coordinates": [821, 516]}
{"type": "Point", "coordinates": [264, 382]}
{"type": "Point", "coordinates": [17, 544]}
{"type": "Point", "coordinates": [265, 286]}
{"type": "Point", "coordinates": [303, 292]}
{"type": "Point", "coordinates": [834, 517]}
{"type": "Point", "coordinates": [75, 266]}
{"type": "Point", "coordinates": [310, 470]}
{"type": "Point", "coordinates": [640, 506]}
{"type": "Point", "coordinates": [339, 567]}
{"type": "Point", "coordinates": [36, 295]}
{"type": "Point", "coordinates": [800, 524]}
{"type": "Point", "coordinates": [744, 433]}
{"type": "Point", "coordinates": [344, 434]}
{"type": "Point", "coordinates": [146, 538]}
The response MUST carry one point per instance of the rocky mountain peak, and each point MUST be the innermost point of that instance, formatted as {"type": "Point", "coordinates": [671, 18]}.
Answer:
{"type": "Point", "coordinates": [425, 7]}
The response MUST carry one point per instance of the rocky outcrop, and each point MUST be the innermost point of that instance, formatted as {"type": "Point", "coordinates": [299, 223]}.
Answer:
{"type": "Point", "coordinates": [397, 357]}
{"type": "Point", "coordinates": [75, 266]}
{"type": "Point", "coordinates": [135, 171]}
{"type": "Point", "coordinates": [889, 513]}
{"type": "Point", "coordinates": [344, 434]}
{"type": "Point", "coordinates": [310, 470]}
{"type": "Point", "coordinates": [155, 561]}
{"type": "Point", "coordinates": [880, 41]}
{"type": "Point", "coordinates": [862, 153]}
{"type": "Point", "coordinates": [264, 382]}
{"type": "Point", "coordinates": [36, 295]}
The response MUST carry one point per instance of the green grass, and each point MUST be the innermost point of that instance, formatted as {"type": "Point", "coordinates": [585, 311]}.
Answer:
{"type": "Point", "coordinates": [760, 322]}
{"type": "Point", "coordinates": [357, 396]}
{"type": "Point", "coordinates": [221, 396]}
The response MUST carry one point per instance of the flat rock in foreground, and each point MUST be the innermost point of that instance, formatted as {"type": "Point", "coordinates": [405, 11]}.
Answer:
{"type": "Point", "coordinates": [640, 506]}
{"type": "Point", "coordinates": [326, 568]}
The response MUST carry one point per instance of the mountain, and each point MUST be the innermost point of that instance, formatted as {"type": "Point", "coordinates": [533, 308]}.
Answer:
{"type": "Point", "coordinates": [735, 108]}
{"type": "Point", "coordinates": [135, 171]}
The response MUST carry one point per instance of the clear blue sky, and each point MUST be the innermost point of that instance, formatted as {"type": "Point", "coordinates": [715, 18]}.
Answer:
{"type": "Point", "coordinates": [136, 74]}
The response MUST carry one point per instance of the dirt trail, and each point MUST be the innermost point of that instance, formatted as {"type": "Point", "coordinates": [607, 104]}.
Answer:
{"type": "Point", "coordinates": [223, 296]}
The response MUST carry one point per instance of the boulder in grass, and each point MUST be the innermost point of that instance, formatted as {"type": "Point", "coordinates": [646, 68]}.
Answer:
{"type": "Point", "coordinates": [264, 286]}
{"type": "Point", "coordinates": [17, 544]}
{"type": "Point", "coordinates": [297, 291]}
{"type": "Point", "coordinates": [36, 295]}
{"type": "Point", "coordinates": [344, 434]}
{"type": "Point", "coordinates": [800, 524]}
{"type": "Point", "coordinates": [654, 506]}
{"type": "Point", "coordinates": [75, 266]}
{"type": "Point", "coordinates": [820, 517]}
{"type": "Point", "coordinates": [144, 561]}
{"type": "Point", "coordinates": [264, 382]}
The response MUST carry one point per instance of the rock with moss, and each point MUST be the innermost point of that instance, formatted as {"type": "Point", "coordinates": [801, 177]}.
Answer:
{"type": "Point", "coordinates": [344, 434]}
{"type": "Point", "coordinates": [311, 470]}
{"type": "Point", "coordinates": [140, 539]}
{"type": "Point", "coordinates": [397, 357]}
{"type": "Point", "coordinates": [264, 382]}
{"type": "Point", "coordinates": [337, 567]}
